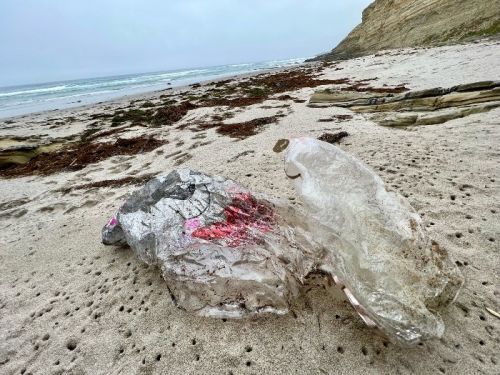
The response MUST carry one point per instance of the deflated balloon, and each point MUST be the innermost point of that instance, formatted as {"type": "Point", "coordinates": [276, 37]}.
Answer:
{"type": "Point", "coordinates": [225, 251]}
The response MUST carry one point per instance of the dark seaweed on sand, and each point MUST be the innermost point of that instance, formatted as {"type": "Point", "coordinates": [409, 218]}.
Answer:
{"type": "Point", "coordinates": [78, 156]}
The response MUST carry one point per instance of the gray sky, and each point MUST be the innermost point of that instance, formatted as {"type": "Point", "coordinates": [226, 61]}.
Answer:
{"type": "Point", "coordinates": [49, 40]}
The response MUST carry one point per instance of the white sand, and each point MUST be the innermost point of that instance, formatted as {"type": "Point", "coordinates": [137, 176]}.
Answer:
{"type": "Point", "coordinates": [70, 305]}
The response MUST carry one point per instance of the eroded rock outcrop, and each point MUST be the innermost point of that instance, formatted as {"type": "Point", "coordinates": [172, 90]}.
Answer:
{"type": "Point", "coordinates": [423, 107]}
{"type": "Point", "coordinates": [391, 24]}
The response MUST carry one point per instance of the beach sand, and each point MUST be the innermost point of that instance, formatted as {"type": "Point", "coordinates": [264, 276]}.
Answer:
{"type": "Point", "coordinates": [70, 305]}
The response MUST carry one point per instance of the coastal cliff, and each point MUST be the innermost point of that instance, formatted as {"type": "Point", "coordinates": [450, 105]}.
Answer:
{"type": "Point", "coordinates": [388, 24]}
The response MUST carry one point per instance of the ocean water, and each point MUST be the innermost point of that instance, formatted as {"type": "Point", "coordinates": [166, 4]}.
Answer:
{"type": "Point", "coordinates": [20, 100]}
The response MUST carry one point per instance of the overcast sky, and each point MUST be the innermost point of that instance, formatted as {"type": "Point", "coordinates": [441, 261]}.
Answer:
{"type": "Point", "coordinates": [49, 40]}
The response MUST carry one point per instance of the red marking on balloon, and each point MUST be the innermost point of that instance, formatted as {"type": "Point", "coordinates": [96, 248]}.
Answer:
{"type": "Point", "coordinates": [246, 220]}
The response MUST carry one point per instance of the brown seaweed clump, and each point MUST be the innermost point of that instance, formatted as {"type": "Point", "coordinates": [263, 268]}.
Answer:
{"type": "Point", "coordinates": [171, 114]}
{"type": "Point", "coordinates": [166, 115]}
{"type": "Point", "coordinates": [333, 137]}
{"type": "Point", "coordinates": [257, 89]}
{"type": "Point", "coordinates": [240, 130]}
{"type": "Point", "coordinates": [292, 80]}
{"type": "Point", "coordinates": [129, 180]}
{"type": "Point", "coordinates": [78, 156]}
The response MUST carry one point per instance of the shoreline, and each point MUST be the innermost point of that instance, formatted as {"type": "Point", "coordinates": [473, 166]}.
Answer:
{"type": "Point", "coordinates": [135, 96]}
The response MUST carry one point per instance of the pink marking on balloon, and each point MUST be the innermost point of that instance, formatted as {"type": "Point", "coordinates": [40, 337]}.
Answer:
{"type": "Point", "coordinates": [246, 220]}
{"type": "Point", "coordinates": [191, 224]}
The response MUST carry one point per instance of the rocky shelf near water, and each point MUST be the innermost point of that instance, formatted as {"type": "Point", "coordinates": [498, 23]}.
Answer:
{"type": "Point", "coordinates": [423, 107]}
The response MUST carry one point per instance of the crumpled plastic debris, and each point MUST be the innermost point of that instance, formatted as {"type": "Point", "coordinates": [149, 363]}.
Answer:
{"type": "Point", "coordinates": [376, 244]}
{"type": "Point", "coordinates": [225, 251]}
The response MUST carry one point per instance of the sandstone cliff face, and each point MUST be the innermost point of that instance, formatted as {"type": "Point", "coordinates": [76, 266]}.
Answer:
{"type": "Point", "coordinates": [390, 24]}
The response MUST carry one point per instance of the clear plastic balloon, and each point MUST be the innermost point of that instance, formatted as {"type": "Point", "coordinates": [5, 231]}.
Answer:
{"type": "Point", "coordinates": [227, 252]}
{"type": "Point", "coordinates": [375, 243]}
